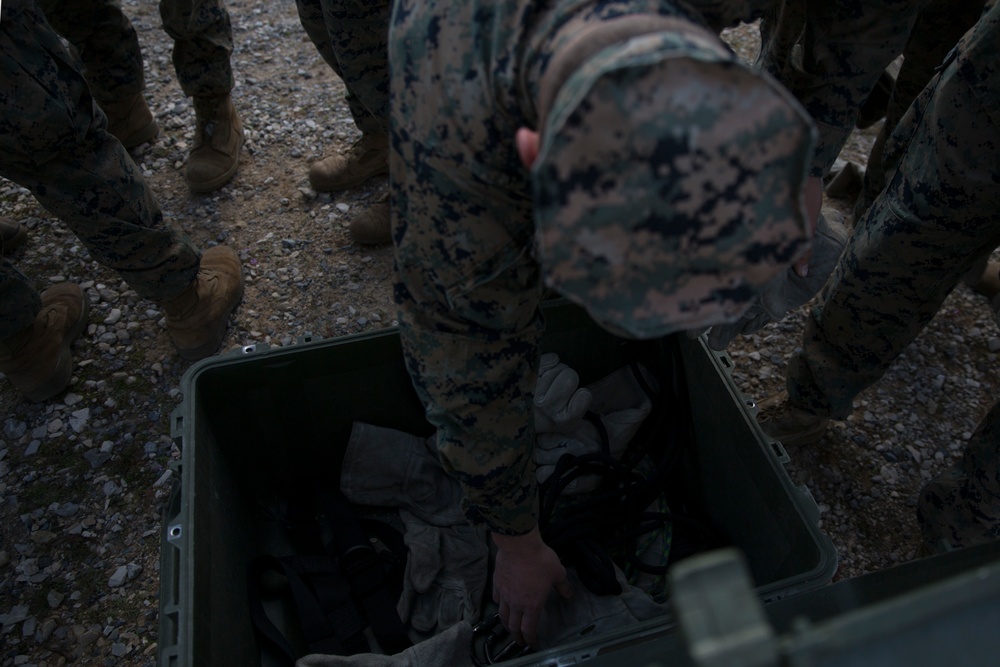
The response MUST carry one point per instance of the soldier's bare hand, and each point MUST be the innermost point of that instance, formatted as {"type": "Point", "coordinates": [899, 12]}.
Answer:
{"type": "Point", "coordinates": [526, 572]}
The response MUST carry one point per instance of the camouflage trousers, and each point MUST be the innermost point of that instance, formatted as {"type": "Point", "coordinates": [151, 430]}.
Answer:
{"type": "Point", "coordinates": [203, 44]}
{"type": "Point", "coordinates": [105, 41]}
{"type": "Point", "coordinates": [961, 507]}
{"type": "Point", "coordinates": [936, 218]}
{"type": "Point", "coordinates": [937, 29]}
{"type": "Point", "coordinates": [845, 45]}
{"type": "Point", "coordinates": [53, 142]}
{"type": "Point", "coordinates": [352, 37]}
{"type": "Point", "coordinates": [109, 47]}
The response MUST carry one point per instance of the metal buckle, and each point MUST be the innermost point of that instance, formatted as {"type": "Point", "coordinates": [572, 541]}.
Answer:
{"type": "Point", "coordinates": [486, 635]}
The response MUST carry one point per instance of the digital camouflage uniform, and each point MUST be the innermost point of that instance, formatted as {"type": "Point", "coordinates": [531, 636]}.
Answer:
{"type": "Point", "coordinates": [53, 142]}
{"type": "Point", "coordinates": [352, 36]}
{"type": "Point", "coordinates": [845, 45]}
{"type": "Point", "coordinates": [936, 217]}
{"type": "Point", "coordinates": [465, 75]}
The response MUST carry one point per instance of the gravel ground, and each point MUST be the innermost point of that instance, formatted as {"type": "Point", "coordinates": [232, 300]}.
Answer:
{"type": "Point", "coordinates": [83, 477]}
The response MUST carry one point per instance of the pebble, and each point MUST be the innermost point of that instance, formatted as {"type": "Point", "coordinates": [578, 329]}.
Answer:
{"type": "Point", "coordinates": [16, 614]}
{"type": "Point", "coordinates": [55, 598]}
{"type": "Point", "coordinates": [67, 509]}
{"type": "Point", "coordinates": [119, 577]}
{"type": "Point", "coordinates": [14, 429]}
{"type": "Point", "coordinates": [96, 458]}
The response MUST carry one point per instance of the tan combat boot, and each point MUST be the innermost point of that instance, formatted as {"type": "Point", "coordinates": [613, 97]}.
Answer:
{"type": "Point", "coordinates": [37, 360]}
{"type": "Point", "coordinates": [217, 143]}
{"type": "Point", "coordinates": [372, 227]}
{"type": "Point", "coordinates": [788, 424]}
{"type": "Point", "coordinates": [130, 120]}
{"type": "Point", "coordinates": [12, 234]}
{"type": "Point", "coordinates": [198, 316]}
{"type": "Point", "coordinates": [367, 158]}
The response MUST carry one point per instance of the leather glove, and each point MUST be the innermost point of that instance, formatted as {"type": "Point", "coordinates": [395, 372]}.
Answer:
{"type": "Point", "coordinates": [452, 647]}
{"type": "Point", "coordinates": [566, 619]}
{"type": "Point", "coordinates": [620, 403]}
{"type": "Point", "coordinates": [559, 402]}
{"type": "Point", "coordinates": [445, 575]}
{"type": "Point", "coordinates": [788, 290]}
{"type": "Point", "coordinates": [390, 468]}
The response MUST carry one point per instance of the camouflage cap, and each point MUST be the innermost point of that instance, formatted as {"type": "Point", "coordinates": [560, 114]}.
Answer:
{"type": "Point", "coordinates": [668, 185]}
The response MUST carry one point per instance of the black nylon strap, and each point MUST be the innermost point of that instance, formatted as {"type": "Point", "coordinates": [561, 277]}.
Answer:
{"type": "Point", "coordinates": [337, 589]}
{"type": "Point", "coordinates": [363, 569]}
{"type": "Point", "coordinates": [325, 611]}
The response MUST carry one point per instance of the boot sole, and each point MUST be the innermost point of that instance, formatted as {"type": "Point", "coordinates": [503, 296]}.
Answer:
{"type": "Point", "coordinates": [342, 184]}
{"type": "Point", "coordinates": [365, 238]}
{"type": "Point", "coordinates": [63, 373]}
{"type": "Point", "coordinates": [768, 411]}
{"type": "Point", "coordinates": [807, 436]}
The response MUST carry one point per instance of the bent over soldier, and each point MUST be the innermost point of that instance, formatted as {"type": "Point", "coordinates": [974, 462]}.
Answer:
{"type": "Point", "coordinates": [665, 188]}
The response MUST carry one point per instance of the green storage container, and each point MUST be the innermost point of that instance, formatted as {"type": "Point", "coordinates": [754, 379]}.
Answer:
{"type": "Point", "coordinates": [940, 610]}
{"type": "Point", "coordinates": [258, 422]}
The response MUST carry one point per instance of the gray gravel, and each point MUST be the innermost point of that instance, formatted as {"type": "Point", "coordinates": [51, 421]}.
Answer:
{"type": "Point", "coordinates": [83, 477]}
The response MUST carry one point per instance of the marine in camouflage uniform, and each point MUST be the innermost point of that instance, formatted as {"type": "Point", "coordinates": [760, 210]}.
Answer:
{"type": "Point", "coordinates": [936, 217]}
{"type": "Point", "coordinates": [109, 47]}
{"type": "Point", "coordinates": [666, 190]}
{"type": "Point", "coordinates": [54, 142]}
{"type": "Point", "coordinates": [471, 262]}
{"type": "Point", "coordinates": [961, 506]}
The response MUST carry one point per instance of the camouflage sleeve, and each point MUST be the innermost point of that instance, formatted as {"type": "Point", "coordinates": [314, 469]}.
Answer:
{"type": "Point", "coordinates": [846, 46]}
{"type": "Point", "coordinates": [467, 286]}
{"type": "Point", "coordinates": [470, 324]}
